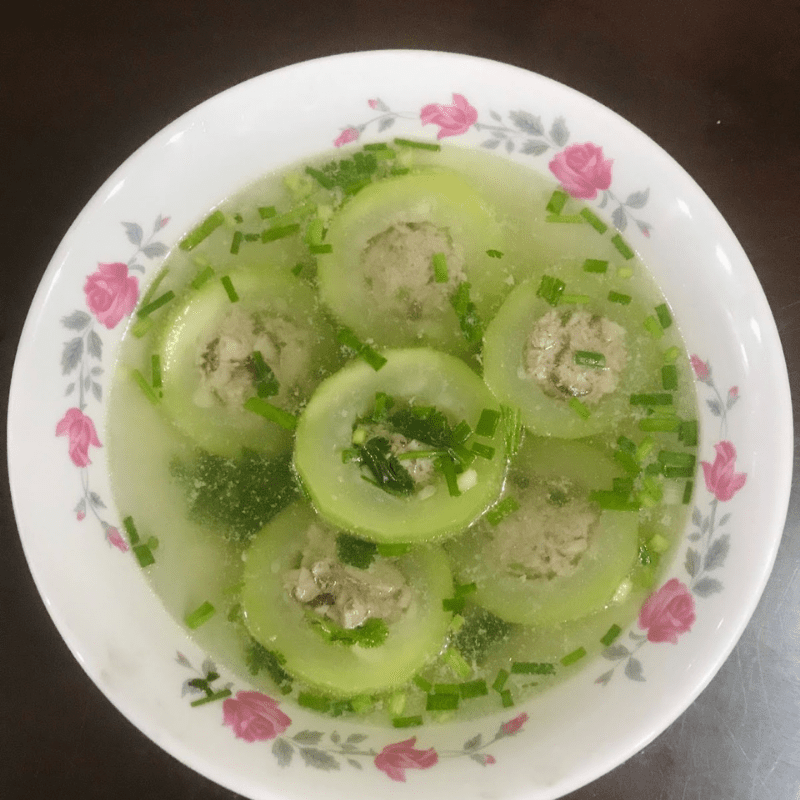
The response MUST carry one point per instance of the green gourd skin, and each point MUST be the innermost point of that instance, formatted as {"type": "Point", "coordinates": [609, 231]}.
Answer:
{"type": "Point", "coordinates": [225, 429]}
{"type": "Point", "coordinates": [338, 490]}
{"type": "Point", "coordinates": [602, 567]}
{"type": "Point", "coordinates": [440, 198]}
{"type": "Point", "coordinates": [279, 623]}
{"type": "Point", "coordinates": [545, 415]}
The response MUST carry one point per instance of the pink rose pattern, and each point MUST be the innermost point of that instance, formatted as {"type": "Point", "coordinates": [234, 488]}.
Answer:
{"type": "Point", "coordinates": [453, 120]}
{"type": "Point", "coordinates": [722, 480]}
{"type": "Point", "coordinates": [668, 613]}
{"type": "Point", "coordinates": [81, 433]}
{"type": "Point", "coordinates": [395, 759]}
{"type": "Point", "coordinates": [346, 136]}
{"type": "Point", "coordinates": [254, 716]}
{"type": "Point", "coordinates": [111, 293]}
{"type": "Point", "coordinates": [582, 170]}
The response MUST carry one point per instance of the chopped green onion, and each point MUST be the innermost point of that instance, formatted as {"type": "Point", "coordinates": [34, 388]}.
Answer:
{"type": "Point", "coordinates": [315, 232]}
{"type": "Point", "coordinates": [550, 289]}
{"type": "Point", "coordinates": [152, 306]}
{"type": "Point", "coordinates": [576, 299]}
{"type": "Point", "coordinates": [619, 297]}
{"type": "Point", "coordinates": [651, 399]}
{"type": "Point", "coordinates": [589, 358]}
{"type": "Point", "coordinates": [594, 220]}
{"type": "Point", "coordinates": [575, 655]}
{"type": "Point", "coordinates": [279, 232]}
{"type": "Point", "coordinates": [214, 696]}
{"type": "Point", "coordinates": [663, 424]}
{"type": "Point", "coordinates": [130, 529]}
{"type": "Point", "coordinates": [687, 432]}
{"type": "Point", "coordinates": [202, 277]}
{"type": "Point", "coordinates": [626, 444]}
{"type": "Point", "coordinates": [461, 432]}
{"type": "Point", "coordinates": [236, 242]}
{"type": "Point", "coordinates": [203, 230]}
{"type": "Point", "coordinates": [482, 450]}
{"type": "Point", "coordinates": [679, 472]}
{"type": "Point", "coordinates": [200, 615]}
{"type": "Point", "coordinates": [627, 462]}
{"type": "Point", "coordinates": [622, 486]}
{"type": "Point", "coordinates": [506, 698]}
{"type": "Point", "coordinates": [442, 702]}
{"type": "Point", "coordinates": [346, 337]}
{"type": "Point", "coordinates": [146, 388]}
{"type": "Point", "coordinates": [457, 663]}
{"type": "Point", "coordinates": [669, 377]}
{"type": "Point", "coordinates": [266, 383]}
{"type": "Point", "coordinates": [447, 468]}
{"type": "Point", "coordinates": [155, 368]}
{"type": "Point", "coordinates": [664, 315]}
{"type": "Point", "coordinates": [653, 327]}
{"type": "Point", "coordinates": [500, 680]}
{"type": "Point", "coordinates": [297, 268]}
{"type": "Point", "coordinates": [494, 253]}
{"type": "Point", "coordinates": [141, 327]}
{"type": "Point", "coordinates": [611, 634]}
{"type": "Point", "coordinates": [423, 684]}
{"type": "Point", "coordinates": [622, 246]}
{"type": "Point", "coordinates": [470, 689]}
{"type": "Point", "coordinates": [407, 722]}
{"type": "Point", "coordinates": [419, 145]}
{"type": "Point", "coordinates": [671, 355]}
{"type": "Point", "coordinates": [318, 249]}
{"type": "Point", "coordinates": [227, 284]}
{"type": "Point", "coordinates": [267, 212]}
{"type": "Point", "coordinates": [512, 428]}
{"type": "Point", "coordinates": [439, 263]}
{"type": "Point", "coordinates": [645, 448]}
{"type": "Point", "coordinates": [487, 422]}
{"type": "Point", "coordinates": [375, 146]}
{"type": "Point", "coordinates": [613, 501]}
{"type": "Point", "coordinates": [557, 202]}
{"type": "Point", "coordinates": [316, 702]}
{"type": "Point", "coordinates": [467, 313]}
{"type": "Point", "coordinates": [676, 458]}
{"type": "Point", "coordinates": [144, 555]}
{"type": "Point", "coordinates": [595, 265]}
{"type": "Point", "coordinates": [153, 287]}
{"type": "Point", "coordinates": [508, 505]}
{"type": "Point", "coordinates": [270, 412]}
{"type": "Point", "coordinates": [581, 409]}
{"type": "Point", "coordinates": [687, 493]}
{"type": "Point", "coordinates": [570, 219]}
{"type": "Point", "coordinates": [532, 668]}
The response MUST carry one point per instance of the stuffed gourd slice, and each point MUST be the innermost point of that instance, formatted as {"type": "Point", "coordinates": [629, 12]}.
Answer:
{"type": "Point", "coordinates": [357, 437]}
{"type": "Point", "coordinates": [570, 367]}
{"type": "Point", "coordinates": [217, 353]}
{"type": "Point", "coordinates": [343, 629]}
{"type": "Point", "coordinates": [555, 556]}
{"type": "Point", "coordinates": [380, 278]}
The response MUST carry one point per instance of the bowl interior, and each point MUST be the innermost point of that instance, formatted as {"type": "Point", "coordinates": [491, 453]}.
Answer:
{"type": "Point", "coordinates": [142, 659]}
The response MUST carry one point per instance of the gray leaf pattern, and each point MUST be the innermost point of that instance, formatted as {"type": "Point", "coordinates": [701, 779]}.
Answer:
{"type": "Point", "coordinates": [134, 232]}
{"type": "Point", "coordinates": [616, 652]}
{"type": "Point", "coordinates": [319, 759]}
{"type": "Point", "coordinates": [558, 132]}
{"type": "Point", "coordinates": [308, 737]}
{"type": "Point", "coordinates": [155, 250]}
{"type": "Point", "coordinates": [94, 345]}
{"type": "Point", "coordinates": [534, 148]}
{"type": "Point", "coordinates": [386, 123]}
{"type": "Point", "coordinates": [283, 752]}
{"type": "Point", "coordinates": [474, 742]}
{"type": "Point", "coordinates": [692, 563]}
{"type": "Point", "coordinates": [717, 552]}
{"type": "Point", "coordinates": [707, 586]}
{"type": "Point", "coordinates": [714, 407]}
{"type": "Point", "coordinates": [72, 355]}
{"type": "Point", "coordinates": [633, 669]}
{"type": "Point", "coordinates": [490, 144]}
{"type": "Point", "coordinates": [638, 199]}
{"type": "Point", "coordinates": [527, 122]}
{"type": "Point", "coordinates": [619, 219]}
{"type": "Point", "coordinates": [76, 321]}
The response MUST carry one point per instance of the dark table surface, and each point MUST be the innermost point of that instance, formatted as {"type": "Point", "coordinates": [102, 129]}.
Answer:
{"type": "Point", "coordinates": [716, 83]}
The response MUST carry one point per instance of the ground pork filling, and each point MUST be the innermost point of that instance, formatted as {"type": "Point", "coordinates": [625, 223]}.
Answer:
{"type": "Point", "coordinates": [397, 264]}
{"type": "Point", "coordinates": [225, 361]}
{"type": "Point", "coordinates": [546, 538]}
{"type": "Point", "coordinates": [347, 595]}
{"type": "Point", "coordinates": [550, 354]}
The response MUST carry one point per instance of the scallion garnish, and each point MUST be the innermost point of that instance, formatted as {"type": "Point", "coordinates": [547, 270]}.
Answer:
{"type": "Point", "coordinates": [153, 287]}
{"type": "Point", "coordinates": [532, 668]}
{"type": "Point", "coordinates": [622, 246]}
{"type": "Point", "coordinates": [687, 432]}
{"type": "Point", "coordinates": [279, 232]}
{"type": "Point", "coordinates": [508, 505]}
{"type": "Point", "coordinates": [557, 201]}
{"type": "Point", "coordinates": [458, 664]}
{"type": "Point", "coordinates": [626, 444]}
{"type": "Point", "coordinates": [575, 655]}
{"type": "Point", "coordinates": [676, 458]}
{"type": "Point", "coordinates": [482, 450]}
{"type": "Point", "coordinates": [155, 369]}
{"type": "Point", "coordinates": [265, 381]}
{"type": "Point", "coordinates": [211, 698]}
{"type": "Point", "coordinates": [202, 276]}
{"type": "Point", "coordinates": [236, 242]}
{"type": "Point", "coordinates": [594, 220]}
{"type": "Point", "coordinates": [580, 408]}
{"type": "Point", "coordinates": [144, 555]}
{"type": "Point", "coordinates": [512, 428]}
{"type": "Point", "coordinates": [419, 145]}
{"type": "Point", "coordinates": [375, 146]}
{"type": "Point", "coordinates": [611, 634]}
{"type": "Point", "coordinates": [257, 405]}
{"type": "Point", "coordinates": [386, 470]}
{"type": "Point", "coordinates": [316, 702]}
{"type": "Point", "coordinates": [346, 337]}
{"type": "Point", "coordinates": [130, 529]}
{"type": "Point", "coordinates": [664, 315]}
{"type": "Point", "coordinates": [595, 265]}
{"type": "Point", "coordinates": [651, 399]}
{"type": "Point", "coordinates": [663, 424]}
{"type": "Point", "coordinates": [297, 268]}
{"type": "Point", "coordinates": [653, 327]}
{"type": "Point", "coordinates": [669, 377]}
{"type": "Point", "coordinates": [506, 698]}
{"type": "Point", "coordinates": [203, 230]}
{"type": "Point", "coordinates": [442, 702]}
{"type": "Point", "coordinates": [550, 289]}
{"type": "Point", "coordinates": [423, 684]}
{"type": "Point", "coordinates": [407, 722]}
{"type": "Point", "coordinates": [200, 615]}
{"type": "Point", "coordinates": [487, 422]}
{"type": "Point", "coordinates": [267, 212]}
{"type": "Point", "coordinates": [576, 299]}
{"type": "Point", "coordinates": [467, 313]}
{"type": "Point", "coordinates": [671, 354]}
{"type": "Point", "coordinates": [627, 462]}
{"type": "Point", "coordinates": [446, 466]}
{"type": "Point", "coordinates": [227, 284]}
{"type": "Point", "coordinates": [619, 297]}
{"type": "Point", "coordinates": [613, 501]}
{"type": "Point", "coordinates": [439, 263]}
{"type": "Point", "coordinates": [146, 388]}
{"type": "Point", "coordinates": [500, 680]}
{"type": "Point", "coordinates": [154, 305]}
{"type": "Point", "coordinates": [494, 253]}
{"type": "Point", "coordinates": [687, 493]}
{"type": "Point", "coordinates": [679, 472]}
{"type": "Point", "coordinates": [315, 232]}
{"type": "Point", "coordinates": [589, 358]}
{"type": "Point", "coordinates": [470, 689]}
{"type": "Point", "coordinates": [569, 219]}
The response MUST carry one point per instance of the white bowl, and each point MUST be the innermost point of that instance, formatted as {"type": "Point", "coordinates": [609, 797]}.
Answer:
{"type": "Point", "coordinates": [141, 658]}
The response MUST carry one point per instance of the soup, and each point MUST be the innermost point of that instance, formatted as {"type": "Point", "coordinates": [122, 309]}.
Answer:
{"type": "Point", "coordinates": [403, 434]}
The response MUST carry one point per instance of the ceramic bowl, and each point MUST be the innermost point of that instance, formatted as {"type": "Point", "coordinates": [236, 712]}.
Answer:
{"type": "Point", "coordinates": [262, 746]}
